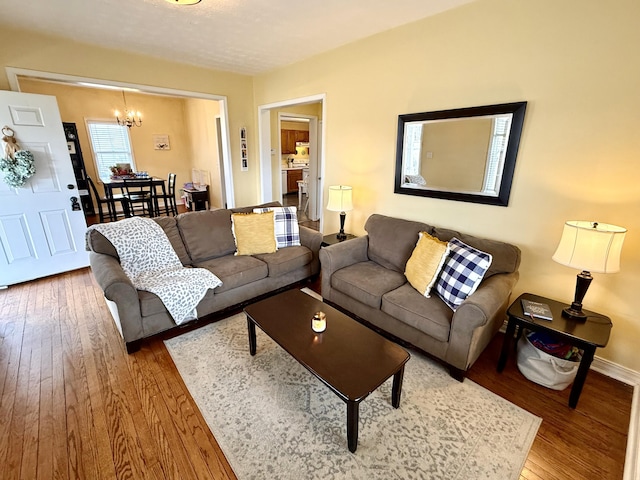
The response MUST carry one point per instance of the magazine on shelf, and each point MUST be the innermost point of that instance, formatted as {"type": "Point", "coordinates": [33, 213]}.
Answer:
{"type": "Point", "coordinates": [536, 309]}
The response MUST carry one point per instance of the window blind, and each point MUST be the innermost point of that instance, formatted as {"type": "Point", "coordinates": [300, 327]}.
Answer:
{"type": "Point", "coordinates": [111, 145]}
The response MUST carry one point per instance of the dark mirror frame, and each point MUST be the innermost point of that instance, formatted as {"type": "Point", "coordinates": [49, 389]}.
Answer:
{"type": "Point", "coordinates": [517, 109]}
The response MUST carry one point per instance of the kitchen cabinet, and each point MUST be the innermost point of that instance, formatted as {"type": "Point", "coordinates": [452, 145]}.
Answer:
{"type": "Point", "coordinates": [288, 139]}
{"type": "Point", "coordinates": [292, 179]}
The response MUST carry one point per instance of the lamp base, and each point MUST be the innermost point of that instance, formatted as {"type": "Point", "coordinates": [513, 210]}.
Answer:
{"type": "Point", "coordinates": [574, 312]}
{"type": "Point", "coordinates": [341, 235]}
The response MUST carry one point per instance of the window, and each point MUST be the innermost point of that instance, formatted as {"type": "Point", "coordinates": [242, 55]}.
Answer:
{"type": "Point", "coordinates": [497, 152]}
{"type": "Point", "coordinates": [111, 146]}
{"type": "Point", "coordinates": [413, 144]}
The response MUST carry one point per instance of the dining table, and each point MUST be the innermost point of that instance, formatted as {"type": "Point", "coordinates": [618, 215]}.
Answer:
{"type": "Point", "coordinates": [119, 183]}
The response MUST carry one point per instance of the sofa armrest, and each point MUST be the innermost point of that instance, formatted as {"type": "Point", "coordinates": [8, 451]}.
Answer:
{"type": "Point", "coordinates": [479, 317]}
{"type": "Point", "coordinates": [118, 288]}
{"type": "Point", "coordinates": [312, 239]}
{"type": "Point", "coordinates": [341, 255]}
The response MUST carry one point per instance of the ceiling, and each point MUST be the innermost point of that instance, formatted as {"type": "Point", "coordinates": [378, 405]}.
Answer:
{"type": "Point", "coordinates": [241, 36]}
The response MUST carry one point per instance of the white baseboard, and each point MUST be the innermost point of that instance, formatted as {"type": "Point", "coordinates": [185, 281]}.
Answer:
{"type": "Point", "coordinates": [630, 377]}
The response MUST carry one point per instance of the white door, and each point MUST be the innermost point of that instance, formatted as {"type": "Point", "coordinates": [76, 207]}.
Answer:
{"type": "Point", "coordinates": [40, 234]}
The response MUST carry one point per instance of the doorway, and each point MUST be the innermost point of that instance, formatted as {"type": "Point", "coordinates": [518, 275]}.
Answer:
{"type": "Point", "coordinates": [219, 131]}
{"type": "Point", "coordinates": [270, 117]}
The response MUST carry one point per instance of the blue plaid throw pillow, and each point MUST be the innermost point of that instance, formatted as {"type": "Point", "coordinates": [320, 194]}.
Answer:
{"type": "Point", "coordinates": [463, 271]}
{"type": "Point", "coordinates": [286, 225]}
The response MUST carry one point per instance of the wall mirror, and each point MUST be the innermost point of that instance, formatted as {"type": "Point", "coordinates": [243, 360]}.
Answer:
{"type": "Point", "coordinates": [465, 154]}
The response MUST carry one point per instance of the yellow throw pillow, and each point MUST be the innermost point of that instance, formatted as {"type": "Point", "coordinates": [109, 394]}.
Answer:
{"type": "Point", "coordinates": [253, 233]}
{"type": "Point", "coordinates": [425, 263]}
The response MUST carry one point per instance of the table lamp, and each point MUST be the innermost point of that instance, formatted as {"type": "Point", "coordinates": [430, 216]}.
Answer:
{"type": "Point", "coordinates": [340, 200]}
{"type": "Point", "coordinates": [590, 247]}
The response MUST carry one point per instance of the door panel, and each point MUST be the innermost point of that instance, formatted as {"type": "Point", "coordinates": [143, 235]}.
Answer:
{"type": "Point", "coordinates": [16, 240]}
{"type": "Point", "coordinates": [57, 230]}
{"type": "Point", "coordinates": [39, 233]}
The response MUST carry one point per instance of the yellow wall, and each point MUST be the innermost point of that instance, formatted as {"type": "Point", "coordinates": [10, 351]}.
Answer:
{"type": "Point", "coordinates": [574, 61]}
{"type": "Point", "coordinates": [34, 51]}
{"type": "Point", "coordinates": [201, 123]}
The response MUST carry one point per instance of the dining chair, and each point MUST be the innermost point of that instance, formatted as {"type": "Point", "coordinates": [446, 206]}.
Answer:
{"type": "Point", "coordinates": [303, 192]}
{"type": "Point", "coordinates": [168, 196]}
{"type": "Point", "coordinates": [110, 202]}
{"type": "Point", "coordinates": [140, 192]}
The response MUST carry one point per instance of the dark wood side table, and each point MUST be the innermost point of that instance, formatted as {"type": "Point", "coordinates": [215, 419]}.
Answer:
{"type": "Point", "coordinates": [333, 238]}
{"type": "Point", "coordinates": [197, 199]}
{"type": "Point", "coordinates": [587, 335]}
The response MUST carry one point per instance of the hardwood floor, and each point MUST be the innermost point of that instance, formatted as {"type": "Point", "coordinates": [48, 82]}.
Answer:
{"type": "Point", "coordinates": [73, 404]}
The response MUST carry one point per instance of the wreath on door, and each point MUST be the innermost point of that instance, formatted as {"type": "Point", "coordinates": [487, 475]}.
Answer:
{"type": "Point", "coordinates": [17, 165]}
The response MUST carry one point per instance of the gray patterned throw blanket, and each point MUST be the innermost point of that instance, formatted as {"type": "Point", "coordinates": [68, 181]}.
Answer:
{"type": "Point", "coordinates": [149, 260]}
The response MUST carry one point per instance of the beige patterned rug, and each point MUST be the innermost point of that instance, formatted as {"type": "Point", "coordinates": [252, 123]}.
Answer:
{"type": "Point", "coordinates": [274, 420]}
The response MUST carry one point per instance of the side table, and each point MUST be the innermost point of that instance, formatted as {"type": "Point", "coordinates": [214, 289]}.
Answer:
{"type": "Point", "coordinates": [586, 335]}
{"type": "Point", "coordinates": [332, 238]}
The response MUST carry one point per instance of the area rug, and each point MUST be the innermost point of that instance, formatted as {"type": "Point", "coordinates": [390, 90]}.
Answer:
{"type": "Point", "coordinates": [275, 420]}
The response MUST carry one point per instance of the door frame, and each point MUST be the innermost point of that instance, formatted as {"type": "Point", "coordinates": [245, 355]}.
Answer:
{"type": "Point", "coordinates": [264, 139]}
{"type": "Point", "coordinates": [14, 82]}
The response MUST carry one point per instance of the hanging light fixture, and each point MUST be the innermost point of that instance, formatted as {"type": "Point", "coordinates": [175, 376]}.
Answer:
{"type": "Point", "coordinates": [131, 118]}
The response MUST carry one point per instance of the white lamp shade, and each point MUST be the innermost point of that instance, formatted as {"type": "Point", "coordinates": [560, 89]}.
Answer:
{"type": "Point", "coordinates": [594, 247]}
{"type": "Point", "coordinates": [340, 198]}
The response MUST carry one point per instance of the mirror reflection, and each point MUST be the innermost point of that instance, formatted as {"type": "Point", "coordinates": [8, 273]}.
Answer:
{"type": "Point", "coordinates": [464, 154]}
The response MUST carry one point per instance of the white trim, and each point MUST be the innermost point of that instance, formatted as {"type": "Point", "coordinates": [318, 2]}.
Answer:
{"type": "Point", "coordinates": [13, 73]}
{"type": "Point", "coordinates": [630, 377]}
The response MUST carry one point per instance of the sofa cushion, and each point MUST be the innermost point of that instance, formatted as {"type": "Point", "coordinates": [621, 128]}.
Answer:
{"type": "Point", "coordinates": [391, 240]}
{"type": "Point", "coordinates": [366, 282]}
{"type": "Point", "coordinates": [462, 273]}
{"type": "Point", "coordinates": [286, 260]}
{"type": "Point", "coordinates": [285, 223]}
{"type": "Point", "coordinates": [235, 270]}
{"type": "Point", "coordinates": [253, 233]}
{"type": "Point", "coordinates": [425, 263]}
{"type": "Point", "coordinates": [206, 234]}
{"type": "Point", "coordinates": [100, 244]}
{"type": "Point", "coordinates": [429, 315]}
{"type": "Point", "coordinates": [506, 257]}
{"type": "Point", "coordinates": [170, 227]}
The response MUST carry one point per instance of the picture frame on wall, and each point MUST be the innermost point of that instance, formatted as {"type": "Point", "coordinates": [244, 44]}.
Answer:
{"type": "Point", "coordinates": [161, 142]}
{"type": "Point", "coordinates": [244, 156]}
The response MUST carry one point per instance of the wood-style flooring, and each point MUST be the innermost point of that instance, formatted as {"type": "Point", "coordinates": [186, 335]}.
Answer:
{"type": "Point", "coordinates": [73, 404]}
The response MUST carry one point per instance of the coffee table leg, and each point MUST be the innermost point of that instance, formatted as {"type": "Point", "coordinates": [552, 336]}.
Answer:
{"type": "Point", "coordinates": [252, 336]}
{"type": "Point", "coordinates": [353, 416]}
{"type": "Point", "coordinates": [396, 390]}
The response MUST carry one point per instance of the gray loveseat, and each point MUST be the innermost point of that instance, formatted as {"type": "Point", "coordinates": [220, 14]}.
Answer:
{"type": "Point", "coordinates": [365, 277]}
{"type": "Point", "coordinates": [201, 239]}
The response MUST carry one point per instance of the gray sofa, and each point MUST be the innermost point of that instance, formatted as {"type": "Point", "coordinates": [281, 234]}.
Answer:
{"type": "Point", "coordinates": [201, 239]}
{"type": "Point", "coordinates": [365, 277]}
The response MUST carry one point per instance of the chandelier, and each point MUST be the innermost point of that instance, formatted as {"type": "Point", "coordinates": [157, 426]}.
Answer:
{"type": "Point", "coordinates": [131, 118]}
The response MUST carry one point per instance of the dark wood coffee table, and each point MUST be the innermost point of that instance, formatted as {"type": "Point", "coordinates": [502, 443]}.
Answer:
{"type": "Point", "coordinates": [351, 359]}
